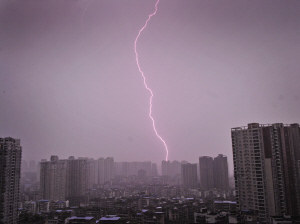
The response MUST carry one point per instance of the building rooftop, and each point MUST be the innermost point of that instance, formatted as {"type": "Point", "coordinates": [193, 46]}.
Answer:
{"type": "Point", "coordinates": [109, 218]}
{"type": "Point", "coordinates": [225, 202]}
{"type": "Point", "coordinates": [257, 125]}
{"type": "Point", "coordinates": [84, 218]}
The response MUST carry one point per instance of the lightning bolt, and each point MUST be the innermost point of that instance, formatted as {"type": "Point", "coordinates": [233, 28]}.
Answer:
{"type": "Point", "coordinates": [146, 86]}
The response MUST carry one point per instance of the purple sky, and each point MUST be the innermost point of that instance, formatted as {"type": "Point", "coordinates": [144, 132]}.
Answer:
{"type": "Point", "coordinates": [69, 84]}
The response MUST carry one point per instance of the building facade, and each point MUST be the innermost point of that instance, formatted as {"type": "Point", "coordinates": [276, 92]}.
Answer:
{"type": "Point", "coordinates": [154, 170]}
{"type": "Point", "coordinates": [266, 169]}
{"type": "Point", "coordinates": [77, 177]}
{"type": "Point", "coordinates": [70, 178]}
{"type": "Point", "coordinates": [221, 180]}
{"type": "Point", "coordinates": [206, 168]}
{"type": "Point", "coordinates": [175, 168]}
{"type": "Point", "coordinates": [53, 179]}
{"type": "Point", "coordinates": [165, 168]}
{"type": "Point", "coordinates": [109, 169]}
{"type": "Point", "coordinates": [10, 163]}
{"type": "Point", "coordinates": [189, 176]}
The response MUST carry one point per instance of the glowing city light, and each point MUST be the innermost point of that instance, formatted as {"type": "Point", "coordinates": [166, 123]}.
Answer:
{"type": "Point", "coordinates": [146, 86]}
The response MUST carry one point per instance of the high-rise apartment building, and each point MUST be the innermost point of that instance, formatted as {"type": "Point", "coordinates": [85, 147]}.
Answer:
{"type": "Point", "coordinates": [32, 166]}
{"type": "Point", "coordinates": [93, 173]}
{"type": "Point", "coordinates": [175, 168]}
{"type": "Point", "coordinates": [165, 168]}
{"type": "Point", "coordinates": [101, 171]}
{"type": "Point", "coordinates": [131, 168]}
{"type": "Point", "coordinates": [53, 179]}
{"type": "Point", "coordinates": [189, 176]}
{"type": "Point", "coordinates": [154, 169]}
{"type": "Point", "coordinates": [101, 179]}
{"type": "Point", "coordinates": [118, 168]}
{"type": "Point", "coordinates": [69, 179]}
{"type": "Point", "coordinates": [206, 167]}
{"type": "Point", "coordinates": [266, 169]}
{"type": "Point", "coordinates": [109, 169]}
{"type": "Point", "coordinates": [125, 169]}
{"type": "Point", "coordinates": [221, 180]}
{"type": "Point", "coordinates": [10, 166]}
{"type": "Point", "coordinates": [171, 169]}
{"type": "Point", "coordinates": [77, 177]}
{"type": "Point", "coordinates": [64, 179]}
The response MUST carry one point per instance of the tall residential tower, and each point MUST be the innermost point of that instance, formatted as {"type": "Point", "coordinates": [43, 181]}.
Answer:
{"type": "Point", "coordinates": [206, 166]}
{"type": "Point", "coordinates": [266, 169]}
{"type": "Point", "coordinates": [189, 176]}
{"type": "Point", "coordinates": [10, 166]}
{"type": "Point", "coordinates": [221, 180]}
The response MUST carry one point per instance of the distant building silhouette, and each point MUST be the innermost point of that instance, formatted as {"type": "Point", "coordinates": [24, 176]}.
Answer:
{"type": "Point", "coordinates": [24, 166]}
{"type": "Point", "coordinates": [165, 168]}
{"type": "Point", "coordinates": [101, 171]}
{"type": "Point", "coordinates": [32, 166]}
{"type": "Point", "coordinates": [127, 169]}
{"type": "Point", "coordinates": [77, 178]}
{"type": "Point", "coordinates": [154, 169]}
{"type": "Point", "coordinates": [171, 169]}
{"type": "Point", "coordinates": [93, 167]}
{"type": "Point", "coordinates": [142, 175]}
{"type": "Point", "coordinates": [53, 179]}
{"type": "Point", "coordinates": [63, 179]}
{"type": "Point", "coordinates": [189, 176]}
{"type": "Point", "coordinates": [175, 168]}
{"type": "Point", "coordinates": [10, 171]}
{"type": "Point", "coordinates": [109, 169]}
{"type": "Point", "coordinates": [221, 180]}
{"type": "Point", "coordinates": [70, 179]}
{"type": "Point", "coordinates": [266, 169]}
{"type": "Point", "coordinates": [206, 167]}
{"type": "Point", "coordinates": [118, 168]}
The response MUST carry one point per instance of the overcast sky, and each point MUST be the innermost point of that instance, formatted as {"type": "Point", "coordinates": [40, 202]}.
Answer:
{"type": "Point", "coordinates": [69, 84]}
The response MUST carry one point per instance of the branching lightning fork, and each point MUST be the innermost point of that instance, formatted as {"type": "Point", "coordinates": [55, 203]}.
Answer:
{"type": "Point", "coordinates": [146, 86]}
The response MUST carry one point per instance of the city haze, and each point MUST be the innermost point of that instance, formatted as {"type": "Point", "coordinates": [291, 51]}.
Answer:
{"type": "Point", "coordinates": [69, 83]}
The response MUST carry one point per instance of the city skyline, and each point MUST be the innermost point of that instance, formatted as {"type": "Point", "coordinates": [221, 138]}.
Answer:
{"type": "Point", "coordinates": [169, 168]}
{"type": "Point", "coordinates": [266, 177]}
{"type": "Point", "coordinates": [69, 83]}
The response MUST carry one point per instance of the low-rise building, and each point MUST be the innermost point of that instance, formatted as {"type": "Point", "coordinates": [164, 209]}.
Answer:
{"type": "Point", "coordinates": [79, 220]}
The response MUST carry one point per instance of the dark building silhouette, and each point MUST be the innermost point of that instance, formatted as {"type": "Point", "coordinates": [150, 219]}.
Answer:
{"type": "Point", "coordinates": [53, 179]}
{"type": "Point", "coordinates": [154, 169]}
{"type": "Point", "coordinates": [109, 169]}
{"type": "Point", "coordinates": [266, 169]}
{"type": "Point", "coordinates": [127, 169]}
{"type": "Point", "coordinates": [221, 180]}
{"type": "Point", "coordinates": [206, 168]}
{"type": "Point", "coordinates": [32, 166]}
{"type": "Point", "coordinates": [175, 168]}
{"type": "Point", "coordinates": [189, 175]}
{"type": "Point", "coordinates": [142, 175]}
{"type": "Point", "coordinates": [10, 167]}
{"type": "Point", "coordinates": [165, 168]}
{"type": "Point", "coordinates": [76, 180]}
{"type": "Point", "coordinates": [171, 169]}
